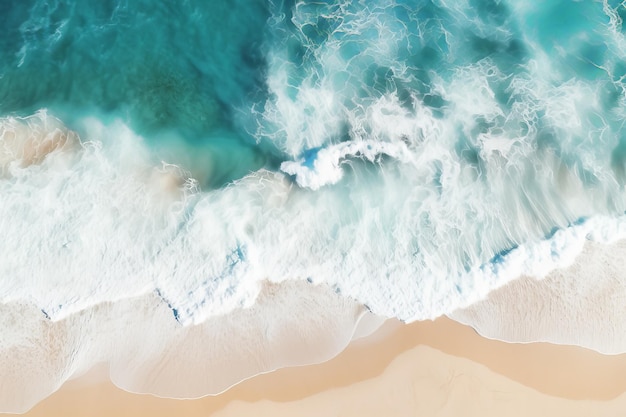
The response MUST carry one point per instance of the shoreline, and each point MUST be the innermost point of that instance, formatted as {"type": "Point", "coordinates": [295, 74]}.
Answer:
{"type": "Point", "coordinates": [562, 373]}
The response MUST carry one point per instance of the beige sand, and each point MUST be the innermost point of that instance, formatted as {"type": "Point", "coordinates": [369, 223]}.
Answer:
{"type": "Point", "coordinates": [29, 140]}
{"type": "Point", "coordinates": [436, 368]}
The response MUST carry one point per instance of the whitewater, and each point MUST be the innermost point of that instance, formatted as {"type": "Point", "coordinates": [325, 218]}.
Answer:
{"type": "Point", "coordinates": [189, 191]}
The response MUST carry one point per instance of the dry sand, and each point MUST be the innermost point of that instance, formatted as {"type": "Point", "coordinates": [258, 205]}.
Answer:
{"type": "Point", "coordinates": [436, 368]}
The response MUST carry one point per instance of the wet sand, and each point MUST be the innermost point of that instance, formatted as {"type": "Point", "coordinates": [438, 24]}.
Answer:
{"type": "Point", "coordinates": [438, 368]}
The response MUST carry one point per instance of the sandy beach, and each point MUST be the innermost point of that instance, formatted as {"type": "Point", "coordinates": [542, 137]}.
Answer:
{"type": "Point", "coordinates": [232, 197]}
{"type": "Point", "coordinates": [438, 368]}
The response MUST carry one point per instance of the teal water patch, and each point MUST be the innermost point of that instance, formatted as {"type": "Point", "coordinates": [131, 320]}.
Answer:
{"type": "Point", "coordinates": [571, 32]}
{"type": "Point", "coordinates": [188, 67]}
{"type": "Point", "coordinates": [207, 77]}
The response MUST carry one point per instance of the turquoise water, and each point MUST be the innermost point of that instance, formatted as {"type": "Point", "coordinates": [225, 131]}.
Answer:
{"type": "Point", "coordinates": [181, 69]}
{"type": "Point", "coordinates": [199, 70]}
{"type": "Point", "coordinates": [408, 155]}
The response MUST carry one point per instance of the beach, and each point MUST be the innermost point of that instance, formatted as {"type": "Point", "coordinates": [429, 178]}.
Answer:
{"type": "Point", "coordinates": [431, 368]}
{"type": "Point", "coordinates": [245, 191]}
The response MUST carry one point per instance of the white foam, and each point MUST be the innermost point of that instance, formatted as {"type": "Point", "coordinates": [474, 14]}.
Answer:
{"type": "Point", "coordinates": [326, 168]}
{"type": "Point", "coordinates": [93, 225]}
{"type": "Point", "coordinates": [580, 304]}
{"type": "Point", "coordinates": [147, 351]}
{"type": "Point", "coordinates": [70, 223]}
{"type": "Point", "coordinates": [504, 160]}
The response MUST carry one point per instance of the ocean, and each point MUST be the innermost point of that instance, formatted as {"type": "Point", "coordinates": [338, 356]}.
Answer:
{"type": "Point", "coordinates": [201, 180]}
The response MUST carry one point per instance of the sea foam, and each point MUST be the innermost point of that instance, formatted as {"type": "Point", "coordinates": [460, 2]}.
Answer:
{"type": "Point", "coordinates": [581, 304]}
{"type": "Point", "coordinates": [147, 351]}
